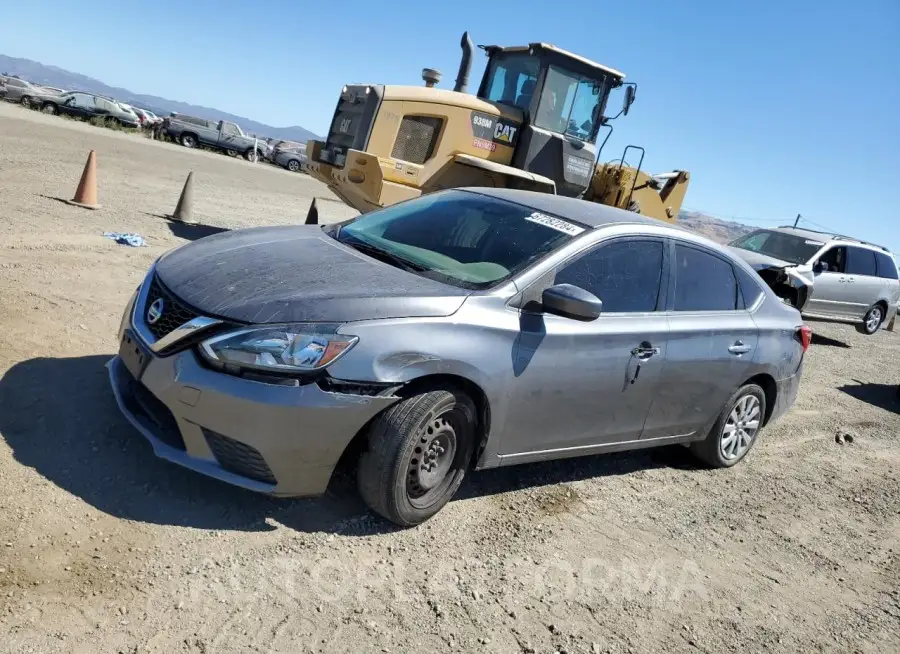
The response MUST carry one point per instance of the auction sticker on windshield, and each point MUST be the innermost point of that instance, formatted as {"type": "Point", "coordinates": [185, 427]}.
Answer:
{"type": "Point", "coordinates": [552, 222]}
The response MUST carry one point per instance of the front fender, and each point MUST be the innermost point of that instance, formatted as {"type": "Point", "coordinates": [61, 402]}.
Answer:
{"type": "Point", "coordinates": [476, 346]}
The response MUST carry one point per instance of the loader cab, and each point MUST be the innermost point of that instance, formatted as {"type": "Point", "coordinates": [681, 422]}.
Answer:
{"type": "Point", "coordinates": [563, 97]}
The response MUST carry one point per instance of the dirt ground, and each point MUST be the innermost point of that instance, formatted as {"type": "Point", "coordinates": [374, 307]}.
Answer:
{"type": "Point", "coordinates": [104, 548]}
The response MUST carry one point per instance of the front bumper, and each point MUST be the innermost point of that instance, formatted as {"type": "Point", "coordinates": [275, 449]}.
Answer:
{"type": "Point", "coordinates": [266, 437]}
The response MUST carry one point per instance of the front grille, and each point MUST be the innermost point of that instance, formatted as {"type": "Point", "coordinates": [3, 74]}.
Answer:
{"type": "Point", "coordinates": [416, 138]}
{"type": "Point", "coordinates": [152, 412]}
{"type": "Point", "coordinates": [174, 312]}
{"type": "Point", "coordinates": [239, 458]}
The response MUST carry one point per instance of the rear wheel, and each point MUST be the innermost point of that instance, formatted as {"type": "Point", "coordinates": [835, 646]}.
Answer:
{"type": "Point", "coordinates": [26, 102]}
{"type": "Point", "coordinates": [735, 431]}
{"type": "Point", "coordinates": [872, 320]}
{"type": "Point", "coordinates": [417, 456]}
{"type": "Point", "coordinates": [188, 140]}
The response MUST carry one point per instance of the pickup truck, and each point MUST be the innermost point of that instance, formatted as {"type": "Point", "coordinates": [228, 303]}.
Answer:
{"type": "Point", "coordinates": [192, 132]}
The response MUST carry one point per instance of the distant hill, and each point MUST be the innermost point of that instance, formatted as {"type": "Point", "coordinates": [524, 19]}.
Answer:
{"type": "Point", "coordinates": [38, 73]}
{"type": "Point", "coordinates": [721, 231]}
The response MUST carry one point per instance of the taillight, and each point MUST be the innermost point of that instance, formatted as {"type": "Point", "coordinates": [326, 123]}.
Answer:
{"type": "Point", "coordinates": [804, 335]}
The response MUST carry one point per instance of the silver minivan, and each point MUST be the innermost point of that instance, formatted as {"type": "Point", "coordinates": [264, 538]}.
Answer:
{"type": "Point", "coordinates": [826, 276]}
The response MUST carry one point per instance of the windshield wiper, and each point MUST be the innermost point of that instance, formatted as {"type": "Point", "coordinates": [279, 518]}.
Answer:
{"type": "Point", "coordinates": [384, 255]}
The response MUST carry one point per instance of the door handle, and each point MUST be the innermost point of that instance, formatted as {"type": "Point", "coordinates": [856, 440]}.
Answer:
{"type": "Point", "coordinates": [739, 348]}
{"type": "Point", "coordinates": [644, 352]}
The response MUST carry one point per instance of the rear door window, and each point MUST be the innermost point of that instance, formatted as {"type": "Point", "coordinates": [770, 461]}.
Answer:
{"type": "Point", "coordinates": [861, 262]}
{"type": "Point", "coordinates": [624, 274]}
{"type": "Point", "coordinates": [703, 281]}
{"type": "Point", "coordinates": [886, 267]}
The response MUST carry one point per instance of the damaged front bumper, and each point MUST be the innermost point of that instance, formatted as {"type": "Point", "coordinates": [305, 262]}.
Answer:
{"type": "Point", "coordinates": [793, 284]}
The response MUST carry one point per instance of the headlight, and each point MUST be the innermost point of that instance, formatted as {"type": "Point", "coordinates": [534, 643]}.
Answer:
{"type": "Point", "coordinates": [279, 348]}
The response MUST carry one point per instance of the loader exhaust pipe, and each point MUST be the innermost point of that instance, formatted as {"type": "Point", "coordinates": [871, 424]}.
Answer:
{"type": "Point", "coordinates": [465, 64]}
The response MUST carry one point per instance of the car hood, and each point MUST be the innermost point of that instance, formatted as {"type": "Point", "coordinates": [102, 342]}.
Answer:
{"type": "Point", "coordinates": [759, 261]}
{"type": "Point", "coordinates": [297, 273]}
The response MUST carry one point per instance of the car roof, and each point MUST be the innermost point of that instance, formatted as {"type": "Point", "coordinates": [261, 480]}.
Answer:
{"type": "Point", "coordinates": [825, 237]}
{"type": "Point", "coordinates": [591, 214]}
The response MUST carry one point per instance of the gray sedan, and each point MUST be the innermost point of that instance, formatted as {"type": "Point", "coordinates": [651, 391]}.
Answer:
{"type": "Point", "coordinates": [290, 159]}
{"type": "Point", "coordinates": [468, 328]}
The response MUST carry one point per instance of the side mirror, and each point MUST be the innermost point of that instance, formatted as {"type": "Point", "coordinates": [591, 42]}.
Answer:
{"type": "Point", "coordinates": [820, 267]}
{"type": "Point", "coordinates": [570, 301]}
{"type": "Point", "coordinates": [629, 99]}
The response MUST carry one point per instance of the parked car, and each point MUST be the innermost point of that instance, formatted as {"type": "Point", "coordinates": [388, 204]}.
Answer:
{"type": "Point", "coordinates": [88, 105]}
{"type": "Point", "coordinates": [827, 276]}
{"type": "Point", "coordinates": [192, 132]}
{"type": "Point", "coordinates": [464, 328]}
{"type": "Point", "coordinates": [290, 159]}
{"type": "Point", "coordinates": [143, 116]}
{"type": "Point", "coordinates": [26, 93]}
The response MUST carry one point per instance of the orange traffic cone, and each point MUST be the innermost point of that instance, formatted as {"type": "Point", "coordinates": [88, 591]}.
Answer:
{"type": "Point", "coordinates": [86, 193]}
{"type": "Point", "coordinates": [184, 210]}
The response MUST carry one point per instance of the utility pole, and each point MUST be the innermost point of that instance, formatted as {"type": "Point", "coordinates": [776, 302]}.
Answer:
{"type": "Point", "coordinates": [796, 220]}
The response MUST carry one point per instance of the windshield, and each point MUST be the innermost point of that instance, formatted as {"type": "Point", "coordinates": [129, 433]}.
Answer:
{"type": "Point", "coordinates": [459, 238]}
{"type": "Point", "coordinates": [787, 247]}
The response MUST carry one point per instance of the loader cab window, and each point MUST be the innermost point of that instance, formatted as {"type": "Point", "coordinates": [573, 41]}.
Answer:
{"type": "Point", "coordinates": [570, 104]}
{"type": "Point", "coordinates": [512, 79]}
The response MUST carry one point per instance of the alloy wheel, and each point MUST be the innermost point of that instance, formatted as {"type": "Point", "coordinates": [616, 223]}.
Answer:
{"type": "Point", "coordinates": [740, 428]}
{"type": "Point", "coordinates": [874, 319]}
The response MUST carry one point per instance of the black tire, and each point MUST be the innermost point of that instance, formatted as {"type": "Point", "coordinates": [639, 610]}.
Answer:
{"type": "Point", "coordinates": [251, 155]}
{"type": "Point", "coordinates": [293, 165]}
{"type": "Point", "coordinates": [50, 108]}
{"type": "Point", "coordinates": [403, 442]}
{"type": "Point", "coordinates": [26, 101]}
{"type": "Point", "coordinates": [188, 140]}
{"type": "Point", "coordinates": [871, 322]}
{"type": "Point", "coordinates": [710, 450]}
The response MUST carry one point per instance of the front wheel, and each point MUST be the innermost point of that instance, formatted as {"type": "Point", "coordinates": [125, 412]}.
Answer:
{"type": "Point", "coordinates": [872, 320]}
{"type": "Point", "coordinates": [50, 108]}
{"type": "Point", "coordinates": [293, 165]}
{"type": "Point", "coordinates": [735, 432]}
{"type": "Point", "coordinates": [251, 155]}
{"type": "Point", "coordinates": [417, 456]}
{"type": "Point", "coordinates": [188, 140]}
{"type": "Point", "coordinates": [26, 102]}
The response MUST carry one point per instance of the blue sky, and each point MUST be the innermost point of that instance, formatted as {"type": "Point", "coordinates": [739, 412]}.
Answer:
{"type": "Point", "coordinates": [776, 108]}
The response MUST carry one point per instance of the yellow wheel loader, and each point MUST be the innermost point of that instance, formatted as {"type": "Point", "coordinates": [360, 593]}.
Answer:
{"type": "Point", "coordinates": [533, 124]}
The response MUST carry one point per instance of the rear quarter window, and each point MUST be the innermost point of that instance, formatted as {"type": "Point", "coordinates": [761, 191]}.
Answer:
{"type": "Point", "coordinates": [886, 267]}
{"type": "Point", "coordinates": [751, 290]}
